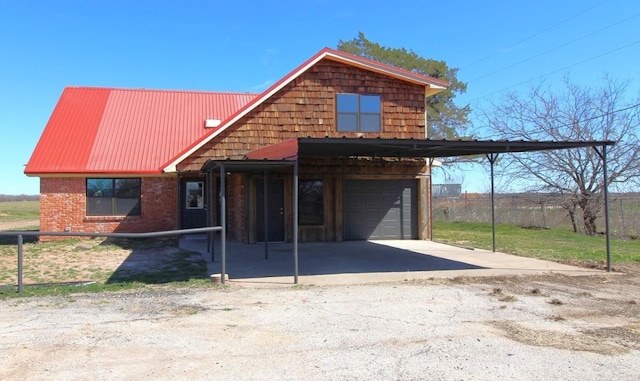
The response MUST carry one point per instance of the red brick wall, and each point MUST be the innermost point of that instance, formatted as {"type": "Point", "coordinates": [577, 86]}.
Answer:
{"type": "Point", "coordinates": [236, 208]}
{"type": "Point", "coordinates": [63, 207]}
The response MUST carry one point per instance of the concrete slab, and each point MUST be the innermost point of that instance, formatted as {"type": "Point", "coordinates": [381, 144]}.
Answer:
{"type": "Point", "coordinates": [357, 262]}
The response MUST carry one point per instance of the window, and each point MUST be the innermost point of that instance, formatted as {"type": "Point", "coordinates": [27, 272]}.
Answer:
{"type": "Point", "coordinates": [195, 195]}
{"type": "Point", "coordinates": [311, 202]}
{"type": "Point", "coordinates": [113, 197]}
{"type": "Point", "coordinates": [358, 113]}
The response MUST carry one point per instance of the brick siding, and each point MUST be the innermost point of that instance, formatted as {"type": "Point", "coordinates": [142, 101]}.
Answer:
{"type": "Point", "coordinates": [63, 208]}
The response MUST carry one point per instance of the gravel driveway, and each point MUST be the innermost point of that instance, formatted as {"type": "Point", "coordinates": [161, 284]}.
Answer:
{"type": "Point", "coordinates": [535, 328]}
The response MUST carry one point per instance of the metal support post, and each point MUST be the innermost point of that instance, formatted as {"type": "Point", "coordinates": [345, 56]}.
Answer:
{"type": "Point", "coordinates": [223, 223]}
{"type": "Point", "coordinates": [20, 262]}
{"type": "Point", "coordinates": [295, 222]}
{"type": "Point", "coordinates": [265, 213]}
{"type": "Point", "coordinates": [492, 159]}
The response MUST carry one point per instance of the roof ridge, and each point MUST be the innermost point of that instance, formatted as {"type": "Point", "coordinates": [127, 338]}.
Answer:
{"type": "Point", "coordinates": [384, 65]}
{"type": "Point", "coordinates": [142, 89]}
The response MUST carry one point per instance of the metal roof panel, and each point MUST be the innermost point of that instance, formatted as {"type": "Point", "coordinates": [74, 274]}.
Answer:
{"type": "Point", "coordinates": [405, 148]}
{"type": "Point", "coordinates": [67, 139]}
{"type": "Point", "coordinates": [96, 130]}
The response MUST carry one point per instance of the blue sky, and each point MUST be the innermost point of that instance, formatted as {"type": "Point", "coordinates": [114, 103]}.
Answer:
{"type": "Point", "coordinates": [241, 45]}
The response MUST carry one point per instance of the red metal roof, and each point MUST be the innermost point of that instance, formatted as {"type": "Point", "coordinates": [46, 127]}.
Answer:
{"type": "Point", "coordinates": [136, 131]}
{"type": "Point", "coordinates": [286, 150]}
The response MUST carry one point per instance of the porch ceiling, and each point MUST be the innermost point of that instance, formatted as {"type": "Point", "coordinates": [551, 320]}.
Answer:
{"type": "Point", "coordinates": [245, 165]}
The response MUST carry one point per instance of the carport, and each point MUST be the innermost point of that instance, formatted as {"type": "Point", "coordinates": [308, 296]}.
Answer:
{"type": "Point", "coordinates": [287, 154]}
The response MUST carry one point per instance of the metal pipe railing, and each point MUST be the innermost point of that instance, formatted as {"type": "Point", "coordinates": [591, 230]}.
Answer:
{"type": "Point", "coordinates": [20, 240]}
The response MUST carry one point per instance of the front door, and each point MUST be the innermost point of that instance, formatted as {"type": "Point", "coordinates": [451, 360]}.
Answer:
{"type": "Point", "coordinates": [275, 210]}
{"type": "Point", "coordinates": [194, 208]}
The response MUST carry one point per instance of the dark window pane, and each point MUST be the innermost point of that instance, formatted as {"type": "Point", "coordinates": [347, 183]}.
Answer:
{"type": "Point", "coordinates": [129, 188]}
{"type": "Point", "coordinates": [99, 187]}
{"type": "Point", "coordinates": [127, 206]}
{"type": "Point", "coordinates": [311, 202]}
{"type": "Point", "coordinates": [347, 122]}
{"type": "Point", "coordinates": [370, 122]}
{"type": "Point", "coordinates": [109, 197]}
{"type": "Point", "coordinates": [347, 102]}
{"type": "Point", "coordinates": [370, 103]}
{"type": "Point", "coordinates": [195, 195]}
{"type": "Point", "coordinates": [99, 206]}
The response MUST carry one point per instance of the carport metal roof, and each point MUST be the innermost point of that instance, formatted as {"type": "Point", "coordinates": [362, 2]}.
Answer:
{"type": "Point", "coordinates": [405, 148]}
{"type": "Point", "coordinates": [288, 152]}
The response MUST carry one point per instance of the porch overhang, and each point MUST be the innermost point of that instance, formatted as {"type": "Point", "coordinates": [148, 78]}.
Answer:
{"type": "Point", "coordinates": [246, 165]}
{"type": "Point", "coordinates": [405, 148]}
{"type": "Point", "coordinates": [289, 152]}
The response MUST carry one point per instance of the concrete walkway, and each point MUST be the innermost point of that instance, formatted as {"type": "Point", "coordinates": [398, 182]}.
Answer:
{"type": "Point", "coordinates": [357, 262]}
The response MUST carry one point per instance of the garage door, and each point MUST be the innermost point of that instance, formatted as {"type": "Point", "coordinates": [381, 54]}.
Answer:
{"type": "Point", "coordinates": [376, 209]}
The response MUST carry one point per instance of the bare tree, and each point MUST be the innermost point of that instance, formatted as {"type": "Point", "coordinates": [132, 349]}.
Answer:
{"type": "Point", "coordinates": [572, 113]}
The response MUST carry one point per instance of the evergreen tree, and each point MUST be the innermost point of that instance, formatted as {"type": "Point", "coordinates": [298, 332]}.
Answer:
{"type": "Point", "coordinates": [445, 119]}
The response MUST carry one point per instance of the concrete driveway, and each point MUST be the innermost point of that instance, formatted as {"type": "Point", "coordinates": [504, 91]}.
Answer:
{"type": "Point", "coordinates": [357, 262]}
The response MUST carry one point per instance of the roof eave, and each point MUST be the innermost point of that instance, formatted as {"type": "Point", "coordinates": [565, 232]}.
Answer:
{"type": "Point", "coordinates": [93, 173]}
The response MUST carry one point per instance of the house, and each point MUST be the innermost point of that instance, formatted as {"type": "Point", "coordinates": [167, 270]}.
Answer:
{"type": "Point", "coordinates": [138, 160]}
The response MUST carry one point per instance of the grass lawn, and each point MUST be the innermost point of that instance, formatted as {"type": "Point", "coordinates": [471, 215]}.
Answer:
{"type": "Point", "coordinates": [106, 265]}
{"type": "Point", "coordinates": [19, 210]}
{"type": "Point", "coordinates": [552, 244]}
{"type": "Point", "coordinates": [80, 265]}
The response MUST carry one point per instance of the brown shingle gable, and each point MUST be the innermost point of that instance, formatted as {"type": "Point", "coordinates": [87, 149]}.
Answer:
{"type": "Point", "coordinates": [305, 107]}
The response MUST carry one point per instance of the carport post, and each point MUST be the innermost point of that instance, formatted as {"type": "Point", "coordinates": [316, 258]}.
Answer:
{"type": "Point", "coordinates": [603, 156]}
{"type": "Point", "coordinates": [209, 210]}
{"type": "Point", "coordinates": [20, 261]}
{"type": "Point", "coordinates": [492, 159]}
{"type": "Point", "coordinates": [223, 223]}
{"type": "Point", "coordinates": [265, 209]}
{"type": "Point", "coordinates": [295, 222]}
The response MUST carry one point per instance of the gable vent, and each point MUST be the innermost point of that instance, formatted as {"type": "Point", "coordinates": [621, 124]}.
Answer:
{"type": "Point", "coordinates": [211, 123]}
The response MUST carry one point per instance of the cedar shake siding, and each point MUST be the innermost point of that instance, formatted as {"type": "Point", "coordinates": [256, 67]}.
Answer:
{"type": "Point", "coordinates": [306, 108]}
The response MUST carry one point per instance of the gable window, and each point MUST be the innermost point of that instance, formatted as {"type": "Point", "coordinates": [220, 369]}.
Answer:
{"type": "Point", "coordinates": [113, 197]}
{"type": "Point", "coordinates": [358, 113]}
{"type": "Point", "coordinates": [311, 202]}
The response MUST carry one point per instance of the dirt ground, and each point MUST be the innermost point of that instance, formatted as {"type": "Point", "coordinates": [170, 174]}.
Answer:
{"type": "Point", "coordinates": [17, 224]}
{"type": "Point", "coordinates": [526, 328]}
{"type": "Point", "coordinates": [522, 327]}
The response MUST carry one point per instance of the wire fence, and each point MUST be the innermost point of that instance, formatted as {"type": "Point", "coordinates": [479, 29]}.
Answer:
{"type": "Point", "coordinates": [538, 211]}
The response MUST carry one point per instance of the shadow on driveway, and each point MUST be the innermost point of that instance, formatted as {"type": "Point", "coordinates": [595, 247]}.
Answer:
{"type": "Point", "coordinates": [244, 261]}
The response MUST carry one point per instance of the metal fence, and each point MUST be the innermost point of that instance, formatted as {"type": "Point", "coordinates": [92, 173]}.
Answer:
{"type": "Point", "coordinates": [21, 234]}
{"type": "Point", "coordinates": [537, 211]}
